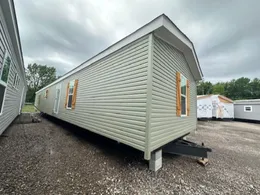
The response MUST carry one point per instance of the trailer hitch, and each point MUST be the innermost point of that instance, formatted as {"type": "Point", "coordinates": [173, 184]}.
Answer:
{"type": "Point", "coordinates": [187, 148]}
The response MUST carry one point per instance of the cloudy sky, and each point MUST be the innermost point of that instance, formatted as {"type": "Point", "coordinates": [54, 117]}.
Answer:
{"type": "Point", "coordinates": [64, 33]}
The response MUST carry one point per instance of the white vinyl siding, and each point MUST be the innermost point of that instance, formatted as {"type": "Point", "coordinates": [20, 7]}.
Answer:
{"type": "Point", "coordinates": [165, 125]}
{"type": "Point", "coordinates": [240, 113]}
{"type": "Point", "coordinates": [111, 96]}
{"type": "Point", "coordinates": [12, 97]}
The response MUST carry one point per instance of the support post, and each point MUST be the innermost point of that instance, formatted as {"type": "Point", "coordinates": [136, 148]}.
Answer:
{"type": "Point", "coordinates": [155, 163]}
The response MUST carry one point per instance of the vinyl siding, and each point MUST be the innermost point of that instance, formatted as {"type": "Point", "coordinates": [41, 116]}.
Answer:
{"type": "Point", "coordinates": [165, 125]}
{"type": "Point", "coordinates": [13, 96]}
{"type": "Point", "coordinates": [241, 114]}
{"type": "Point", "coordinates": [111, 96]}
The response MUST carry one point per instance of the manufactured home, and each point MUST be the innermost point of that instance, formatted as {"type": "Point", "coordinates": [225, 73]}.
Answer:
{"type": "Point", "coordinates": [214, 106]}
{"type": "Point", "coordinates": [12, 73]}
{"type": "Point", "coordinates": [141, 91]}
{"type": "Point", "coordinates": [247, 110]}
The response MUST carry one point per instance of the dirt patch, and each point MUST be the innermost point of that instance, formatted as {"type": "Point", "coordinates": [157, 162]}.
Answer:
{"type": "Point", "coordinates": [46, 158]}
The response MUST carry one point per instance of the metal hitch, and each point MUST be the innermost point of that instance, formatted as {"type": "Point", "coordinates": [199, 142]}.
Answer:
{"type": "Point", "coordinates": [187, 148]}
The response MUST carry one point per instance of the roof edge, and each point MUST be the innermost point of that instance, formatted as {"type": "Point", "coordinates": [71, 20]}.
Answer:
{"type": "Point", "coordinates": [140, 32]}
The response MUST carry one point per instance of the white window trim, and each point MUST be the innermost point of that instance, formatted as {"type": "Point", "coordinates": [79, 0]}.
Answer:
{"type": "Point", "coordinates": [184, 115]}
{"type": "Point", "coordinates": [251, 108]}
{"type": "Point", "coordinates": [69, 108]}
{"type": "Point", "coordinates": [2, 109]}
{"type": "Point", "coordinates": [15, 84]}
{"type": "Point", "coordinates": [5, 83]}
{"type": "Point", "coordinates": [46, 95]}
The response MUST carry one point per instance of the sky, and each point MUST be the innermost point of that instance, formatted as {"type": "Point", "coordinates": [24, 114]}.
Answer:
{"type": "Point", "coordinates": [65, 33]}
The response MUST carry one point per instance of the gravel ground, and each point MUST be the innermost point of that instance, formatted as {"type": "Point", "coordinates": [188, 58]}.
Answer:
{"type": "Point", "coordinates": [55, 158]}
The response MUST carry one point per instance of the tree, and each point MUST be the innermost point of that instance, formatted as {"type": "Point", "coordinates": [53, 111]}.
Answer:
{"type": "Point", "coordinates": [219, 89]}
{"type": "Point", "coordinates": [38, 76]}
{"type": "Point", "coordinates": [204, 88]}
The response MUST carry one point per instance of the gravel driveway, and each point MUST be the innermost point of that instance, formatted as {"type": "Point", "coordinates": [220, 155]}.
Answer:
{"type": "Point", "coordinates": [55, 158]}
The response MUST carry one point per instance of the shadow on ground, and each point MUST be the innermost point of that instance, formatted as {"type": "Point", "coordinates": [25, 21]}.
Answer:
{"type": "Point", "coordinates": [108, 146]}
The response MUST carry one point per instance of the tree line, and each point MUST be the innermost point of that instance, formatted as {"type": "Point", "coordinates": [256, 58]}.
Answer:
{"type": "Point", "coordinates": [236, 89]}
{"type": "Point", "coordinates": [39, 76]}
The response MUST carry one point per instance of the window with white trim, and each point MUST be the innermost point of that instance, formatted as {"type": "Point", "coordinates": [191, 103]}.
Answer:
{"type": "Point", "coordinates": [2, 94]}
{"type": "Point", "coordinates": [4, 74]}
{"type": "Point", "coordinates": [46, 93]}
{"type": "Point", "coordinates": [247, 108]}
{"type": "Point", "coordinates": [183, 96]}
{"type": "Point", "coordinates": [15, 80]}
{"type": "Point", "coordinates": [70, 94]}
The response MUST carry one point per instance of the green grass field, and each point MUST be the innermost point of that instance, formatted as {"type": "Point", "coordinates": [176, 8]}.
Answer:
{"type": "Point", "coordinates": [28, 108]}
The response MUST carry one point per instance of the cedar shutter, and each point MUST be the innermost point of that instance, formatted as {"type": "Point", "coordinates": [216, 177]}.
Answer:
{"type": "Point", "coordinates": [74, 93]}
{"type": "Point", "coordinates": [178, 94]}
{"type": "Point", "coordinates": [67, 94]}
{"type": "Point", "coordinates": [188, 97]}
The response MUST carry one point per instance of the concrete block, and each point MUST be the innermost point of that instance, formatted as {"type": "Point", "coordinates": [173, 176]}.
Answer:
{"type": "Point", "coordinates": [155, 162]}
{"type": "Point", "coordinates": [156, 154]}
{"type": "Point", "coordinates": [155, 165]}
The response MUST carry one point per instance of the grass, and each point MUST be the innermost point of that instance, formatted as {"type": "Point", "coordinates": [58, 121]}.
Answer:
{"type": "Point", "coordinates": [28, 108]}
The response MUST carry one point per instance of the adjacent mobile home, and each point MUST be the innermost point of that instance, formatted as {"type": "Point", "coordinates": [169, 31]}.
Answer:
{"type": "Point", "coordinates": [141, 91]}
{"type": "Point", "coordinates": [247, 109]}
{"type": "Point", "coordinates": [12, 74]}
{"type": "Point", "coordinates": [214, 106]}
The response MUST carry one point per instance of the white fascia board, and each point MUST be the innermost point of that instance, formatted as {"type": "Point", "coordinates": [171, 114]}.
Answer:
{"type": "Point", "coordinates": [17, 37]}
{"type": "Point", "coordinates": [182, 37]}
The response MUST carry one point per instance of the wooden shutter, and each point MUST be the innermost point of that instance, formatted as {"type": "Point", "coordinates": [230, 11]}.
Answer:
{"type": "Point", "coordinates": [188, 97]}
{"type": "Point", "coordinates": [178, 94]}
{"type": "Point", "coordinates": [67, 94]}
{"type": "Point", "coordinates": [74, 93]}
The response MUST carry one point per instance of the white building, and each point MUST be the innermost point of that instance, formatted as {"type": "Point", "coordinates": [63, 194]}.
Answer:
{"type": "Point", "coordinates": [247, 109]}
{"type": "Point", "coordinates": [12, 74]}
{"type": "Point", "coordinates": [141, 91]}
{"type": "Point", "coordinates": [214, 106]}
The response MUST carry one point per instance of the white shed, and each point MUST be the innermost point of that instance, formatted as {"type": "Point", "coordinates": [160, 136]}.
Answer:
{"type": "Point", "coordinates": [214, 106]}
{"type": "Point", "coordinates": [247, 110]}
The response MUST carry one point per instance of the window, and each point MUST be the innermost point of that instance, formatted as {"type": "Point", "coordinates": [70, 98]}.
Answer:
{"type": "Point", "coordinates": [71, 94]}
{"type": "Point", "coordinates": [182, 95]}
{"type": "Point", "coordinates": [15, 80]}
{"type": "Point", "coordinates": [4, 73]}
{"type": "Point", "coordinates": [248, 108]}
{"type": "Point", "coordinates": [17, 83]}
{"type": "Point", "coordinates": [2, 95]}
{"type": "Point", "coordinates": [46, 93]}
{"type": "Point", "coordinates": [6, 68]}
